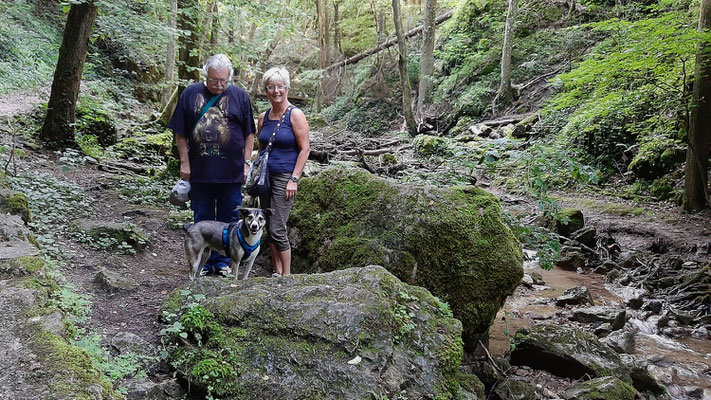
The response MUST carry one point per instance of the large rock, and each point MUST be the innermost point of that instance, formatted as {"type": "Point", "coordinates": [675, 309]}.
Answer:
{"type": "Point", "coordinates": [566, 352]}
{"type": "Point", "coordinates": [15, 203]}
{"type": "Point", "coordinates": [612, 315]}
{"type": "Point", "coordinates": [37, 361]}
{"type": "Point", "coordinates": [604, 388]}
{"type": "Point", "coordinates": [110, 235]}
{"type": "Point", "coordinates": [348, 334]}
{"type": "Point", "coordinates": [574, 296]}
{"type": "Point", "coordinates": [450, 241]}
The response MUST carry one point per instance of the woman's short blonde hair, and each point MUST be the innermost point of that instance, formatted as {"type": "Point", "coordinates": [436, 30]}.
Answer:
{"type": "Point", "coordinates": [276, 74]}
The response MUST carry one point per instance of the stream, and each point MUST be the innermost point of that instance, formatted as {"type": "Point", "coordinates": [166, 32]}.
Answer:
{"type": "Point", "coordinates": [678, 364]}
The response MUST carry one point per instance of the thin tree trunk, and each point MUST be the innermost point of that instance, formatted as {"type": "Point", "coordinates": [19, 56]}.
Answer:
{"type": "Point", "coordinates": [402, 66]}
{"type": "Point", "coordinates": [170, 53]}
{"type": "Point", "coordinates": [424, 96]}
{"type": "Point", "coordinates": [336, 29]}
{"type": "Point", "coordinates": [505, 89]}
{"type": "Point", "coordinates": [189, 66]}
{"type": "Point", "coordinates": [214, 11]}
{"type": "Point", "coordinates": [326, 35]}
{"type": "Point", "coordinates": [387, 44]}
{"type": "Point", "coordinates": [58, 128]}
{"type": "Point", "coordinates": [696, 196]}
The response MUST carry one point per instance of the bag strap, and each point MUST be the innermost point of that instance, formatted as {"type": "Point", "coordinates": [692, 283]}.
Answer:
{"type": "Point", "coordinates": [278, 125]}
{"type": "Point", "coordinates": [207, 106]}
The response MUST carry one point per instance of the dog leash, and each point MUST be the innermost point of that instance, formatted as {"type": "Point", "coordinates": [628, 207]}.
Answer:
{"type": "Point", "coordinates": [226, 241]}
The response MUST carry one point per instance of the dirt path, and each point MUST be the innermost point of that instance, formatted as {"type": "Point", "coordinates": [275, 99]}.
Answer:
{"type": "Point", "coordinates": [158, 269]}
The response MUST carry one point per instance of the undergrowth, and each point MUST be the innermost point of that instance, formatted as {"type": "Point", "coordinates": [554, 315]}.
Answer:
{"type": "Point", "coordinates": [28, 47]}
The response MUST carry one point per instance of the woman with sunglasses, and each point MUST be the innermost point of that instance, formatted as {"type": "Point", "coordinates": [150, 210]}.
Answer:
{"type": "Point", "coordinates": [289, 152]}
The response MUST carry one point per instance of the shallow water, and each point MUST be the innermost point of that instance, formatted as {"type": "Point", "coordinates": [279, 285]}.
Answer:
{"type": "Point", "coordinates": [679, 364]}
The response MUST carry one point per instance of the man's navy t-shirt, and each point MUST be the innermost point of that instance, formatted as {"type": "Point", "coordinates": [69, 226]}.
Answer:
{"type": "Point", "coordinates": [216, 142]}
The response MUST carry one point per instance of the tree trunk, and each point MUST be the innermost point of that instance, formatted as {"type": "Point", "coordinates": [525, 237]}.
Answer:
{"type": "Point", "coordinates": [170, 53]}
{"type": "Point", "coordinates": [402, 66]}
{"type": "Point", "coordinates": [505, 89]}
{"type": "Point", "coordinates": [336, 30]}
{"type": "Point", "coordinates": [424, 96]}
{"type": "Point", "coordinates": [188, 55]}
{"type": "Point", "coordinates": [58, 128]}
{"type": "Point", "coordinates": [697, 155]}
{"type": "Point", "coordinates": [214, 12]}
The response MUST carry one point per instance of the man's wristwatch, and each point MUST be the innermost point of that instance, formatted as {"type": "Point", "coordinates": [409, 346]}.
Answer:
{"type": "Point", "coordinates": [248, 162]}
{"type": "Point", "coordinates": [295, 179]}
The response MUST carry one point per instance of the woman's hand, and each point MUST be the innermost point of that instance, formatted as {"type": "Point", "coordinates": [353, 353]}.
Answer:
{"type": "Point", "coordinates": [291, 188]}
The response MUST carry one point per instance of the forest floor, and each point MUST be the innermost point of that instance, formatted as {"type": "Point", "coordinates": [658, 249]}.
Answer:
{"type": "Point", "coordinates": [161, 267]}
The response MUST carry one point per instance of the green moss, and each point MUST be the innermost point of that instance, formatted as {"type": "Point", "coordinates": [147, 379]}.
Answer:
{"type": "Point", "coordinates": [428, 145]}
{"type": "Point", "coordinates": [443, 238]}
{"type": "Point", "coordinates": [471, 384]}
{"type": "Point", "coordinates": [16, 204]}
{"type": "Point", "coordinates": [74, 372]}
{"type": "Point", "coordinates": [25, 265]}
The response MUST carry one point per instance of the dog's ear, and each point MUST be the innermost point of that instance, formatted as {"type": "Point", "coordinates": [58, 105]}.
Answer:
{"type": "Point", "coordinates": [268, 212]}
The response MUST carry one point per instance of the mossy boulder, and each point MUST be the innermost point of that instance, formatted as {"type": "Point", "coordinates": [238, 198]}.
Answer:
{"type": "Point", "coordinates": [429, 145]}
{"type": "Point", "coordinates": [567, 352]}
{"type": "Point", "coordinates": [15, 203]}
{"type": "Point", "coordinates": [355, 333]}
{"type": "Point", "coordinates": [451, 241]}
{"type": "Point", "coordinates": [574, 220]}
{"type": "Point", "coordinates": [38, 362]}
{"type": "Point", "coordinates": [107, 235]}
{"type": "Point", "coordinates": [604, 388]}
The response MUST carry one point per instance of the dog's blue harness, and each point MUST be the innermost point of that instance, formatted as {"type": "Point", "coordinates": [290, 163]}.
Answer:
{"type": "Point", "coordinates": [245, 246]}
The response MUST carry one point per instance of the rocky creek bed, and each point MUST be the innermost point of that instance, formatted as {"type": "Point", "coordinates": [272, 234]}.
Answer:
{"type": "Point", "coordinates": [644, 278]}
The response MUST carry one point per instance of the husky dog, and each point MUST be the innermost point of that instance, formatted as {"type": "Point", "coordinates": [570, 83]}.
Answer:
{"type": "Point", "coordinates": [237, 240]}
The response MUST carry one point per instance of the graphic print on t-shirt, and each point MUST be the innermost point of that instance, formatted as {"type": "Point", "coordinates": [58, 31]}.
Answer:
{"type": "Point", "coordinates": [212, 130]}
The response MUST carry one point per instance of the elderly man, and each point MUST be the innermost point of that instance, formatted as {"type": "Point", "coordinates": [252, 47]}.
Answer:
{"type": "Point", "coordinates": [214, 129]}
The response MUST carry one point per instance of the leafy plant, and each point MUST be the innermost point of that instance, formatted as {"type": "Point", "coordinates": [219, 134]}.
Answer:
{"type": "Point", "coordinates": [537, 238]}
{"type": "Point", "coordinates": [629, 88]}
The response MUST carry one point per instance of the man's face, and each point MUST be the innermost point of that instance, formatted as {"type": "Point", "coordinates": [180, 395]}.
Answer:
{"type": "Point", "coordinates": [217, 80]}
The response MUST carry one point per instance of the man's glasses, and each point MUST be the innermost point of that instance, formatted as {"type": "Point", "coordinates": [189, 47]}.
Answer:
{"type": "Point", "coordinates": [214, 81]}
{"type": "Point", "coordinates": [272, 88]}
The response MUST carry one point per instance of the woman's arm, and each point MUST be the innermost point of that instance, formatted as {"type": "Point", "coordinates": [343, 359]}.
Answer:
{"type": "Point", "coordinates": [301, 134]}
{"type": "Point", "coordinates": [260, 120]}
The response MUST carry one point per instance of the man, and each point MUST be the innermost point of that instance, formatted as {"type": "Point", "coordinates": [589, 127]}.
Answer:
{"type": "Point", "coordinates": [214, 130]}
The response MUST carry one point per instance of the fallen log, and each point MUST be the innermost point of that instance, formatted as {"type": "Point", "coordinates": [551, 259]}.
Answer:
{"type": "Point", "coordinates": [386, 44]}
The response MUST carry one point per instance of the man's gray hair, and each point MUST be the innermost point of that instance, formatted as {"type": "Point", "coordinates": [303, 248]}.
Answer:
{"type": "Point", "coordinates": [218, 61]}
{"type": "Point", "coordinates": [276, 74]}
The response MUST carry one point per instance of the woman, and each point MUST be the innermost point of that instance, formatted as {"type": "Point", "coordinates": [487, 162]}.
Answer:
{"type": "Point", "coordinates": [290, 150]}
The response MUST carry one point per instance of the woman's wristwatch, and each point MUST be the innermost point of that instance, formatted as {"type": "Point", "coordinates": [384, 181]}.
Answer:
{"type": "Point", "coordinates": [295, 179]}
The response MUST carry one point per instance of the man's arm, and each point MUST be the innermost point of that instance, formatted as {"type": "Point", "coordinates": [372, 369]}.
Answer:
{"type": "Point", "coordinates": [248, 146]}
{"type": "Point", "coordinates": [184, 159]}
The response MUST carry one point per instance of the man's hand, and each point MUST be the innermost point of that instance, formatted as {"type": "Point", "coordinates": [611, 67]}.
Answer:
{"type": "Point", "coordinates": [246, 172]}
{"type": "Point", "coordinates": [185, 170]}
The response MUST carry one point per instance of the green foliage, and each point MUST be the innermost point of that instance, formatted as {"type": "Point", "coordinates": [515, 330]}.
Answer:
{"type": "Point", "coordinates": [28, 46]}
{"type": "Point", "coordinates": [629, 89]}
{"type": "Point", "coordinates": [114, 367]}
{"type": "Point", "coordinates": [54, 203]}
{"type": "Point", "coordinates": [142, 190]}
{"type": "Point", "coordinates": [471, 53]}
{"type": "Point", "coordinates": [542, 240]}
{"type": "Point", "coordinates": [369, 116]}
{"type": "Point", "coordinates": [404, 315]}
{"type": "Point", "coordinates": [75, 306]}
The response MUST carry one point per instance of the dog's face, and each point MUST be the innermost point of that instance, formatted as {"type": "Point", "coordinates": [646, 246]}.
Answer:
{"type": "Point", "coordinates": [255, 219]}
